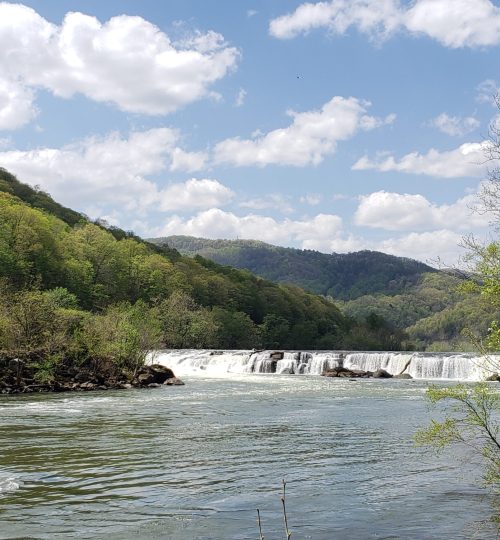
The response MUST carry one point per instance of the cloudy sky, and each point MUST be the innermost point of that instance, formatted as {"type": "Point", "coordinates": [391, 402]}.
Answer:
{"type": "Point", "coordinates": [337, 125]}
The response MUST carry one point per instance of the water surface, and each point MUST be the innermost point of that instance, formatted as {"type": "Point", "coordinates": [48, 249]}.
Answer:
{"type": "Point", "coordinates": [194, 462]}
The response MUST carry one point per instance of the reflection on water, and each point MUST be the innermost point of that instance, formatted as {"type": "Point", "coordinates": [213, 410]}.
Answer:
{"type": "Point", "coordinates": [195, 462]}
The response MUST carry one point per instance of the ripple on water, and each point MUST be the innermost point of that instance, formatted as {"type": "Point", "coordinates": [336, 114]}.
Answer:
{"type": "Point", "coordinates": [9, 484]}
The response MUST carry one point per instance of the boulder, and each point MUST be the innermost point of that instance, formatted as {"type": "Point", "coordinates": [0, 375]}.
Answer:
{"type": "Point", "coordinates": [403, 376]}
{"type": "Point", "coordinates": [381, 374]}
{"type": "Point", "coordinates": [154, 385]}
{"type": "Point", "coordinates": [155, 373]}
{"type": "Point", "coordinates": [277, 355]}
{"type": "Point", "coordinates": [174, 381]}
{"type": "Point", "coordinates": [493, 377]}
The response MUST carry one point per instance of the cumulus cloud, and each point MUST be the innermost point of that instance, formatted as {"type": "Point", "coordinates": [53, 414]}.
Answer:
{"type": "Point", "coordinates": [111, 169]}
{"type": "Point", "coordinates": [455, 126]}
{"type": "Point", "coordinates": [466, 160]}
{"type": "Point", "coordinates": [307, 140]}
{"type": "Point", "coordinates": [194, 194]}
{"type": "Point", "coordinates": [427, 246]}
{"type": "Point", "coordinates": [126, 61]}
{"type": "Point", "coordinates": [187, 161]}
{"type": "Point", "coordinates": [453, 23]}
{"type": "Point", "coordinates": [486, 91]}
{"type": "Point", "coordinates": [408, 212]}
{"type": "Point", "coordinates": [16, 104]}
{"type": "Point", "coordinates": [216, 223]}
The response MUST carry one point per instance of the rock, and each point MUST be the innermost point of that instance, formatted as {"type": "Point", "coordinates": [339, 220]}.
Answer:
{"type": "Point", "coordinates": [287, 371]}
{"type": "Point", "coordinates": [493, 377]}
{"type": "Point", "coordinates": [155, 385]}
{"type": "Point", "coordinates": [403, 376]}
{"type": "Point", "coordinates": [88, 386]}
{"type": "Point", "coordinates": [125, 386]}
{"type": "Point", "coordinates": [145, 379]}
{"type": "Point", "coordinates": [381, 374]}
{"type": "Point", "coordinates": [155, 373]}
{"type": "Point", "coordinates": [174, 381]}
{"type": "Point", "coordinates": [277, 355]}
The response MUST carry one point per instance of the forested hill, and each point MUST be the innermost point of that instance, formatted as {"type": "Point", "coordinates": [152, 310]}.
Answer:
{"type": "Point", "coordinates": [371, 287]}
{"type": "Point", "coordinates": [342, 276]}
{"type": "Point", "coordinates": [196, 302]}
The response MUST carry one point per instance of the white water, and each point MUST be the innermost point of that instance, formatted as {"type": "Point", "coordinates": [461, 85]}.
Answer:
{"type": "Point", "coordinates": [450, 366]}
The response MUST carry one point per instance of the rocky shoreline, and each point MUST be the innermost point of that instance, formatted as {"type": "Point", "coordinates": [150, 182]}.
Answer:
{"type": "Point", "coordinates": [17, 377]}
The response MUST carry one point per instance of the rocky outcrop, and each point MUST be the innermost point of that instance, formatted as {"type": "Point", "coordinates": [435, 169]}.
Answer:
{"type": "Point", "coordinates": [358, 373]}
{"type": "Point", "coordinates": [494, 377]}
{"type": "Point", "coordinates": [347, 373]}
{"type": "Point", "coordinates": [19, 376]}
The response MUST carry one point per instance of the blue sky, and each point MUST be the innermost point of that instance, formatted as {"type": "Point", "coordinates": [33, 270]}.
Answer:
{"type": "Point", "coordinates": [337, 126]}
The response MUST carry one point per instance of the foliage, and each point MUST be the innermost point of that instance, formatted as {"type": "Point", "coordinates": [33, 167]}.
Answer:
{"type": "Point", "coordinates": [342, 276]}
{"type": "Point", "coordinates": [123, 335]}
{"type": "Point", "coordinates": [86, 269]}
{"type": "Point", "coordinates": [469, 421]}
{"type": "Point", "coordinates": [425, 308]}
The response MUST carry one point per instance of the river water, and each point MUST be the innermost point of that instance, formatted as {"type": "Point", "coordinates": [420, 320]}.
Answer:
{"type": "Point", "coordinates": [194, 462]}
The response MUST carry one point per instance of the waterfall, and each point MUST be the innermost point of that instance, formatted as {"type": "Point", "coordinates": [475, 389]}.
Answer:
{"type": "Point", "coordinates": [393, 363]}
{"type": "Point", "coordinates": [450, 366]}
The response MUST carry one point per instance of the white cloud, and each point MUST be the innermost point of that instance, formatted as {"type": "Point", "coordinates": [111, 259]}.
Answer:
{"type": "Point", "coordinates": [187, 161]}
{"type": "Point", "coordinates": [307, 140]}
{"type": "Point", "coordinates": [486, 91]}
{"type": "Point", "coordinates": [16, 104]}
{"type": "Point", "coordinates": [251, 13]}
{"type": "Point", "coordinates": [216, 223]}
{"type": "Point", "coordinates": [408, 212]}
{"type": "Point", "coordinates": [111, 170]}
{"type": "Point", "coordinates": [194, 194]}
{"type": "Point", "coordinates": [466, 160]}
{"type": "Point", "coordinates": [455, 126]}
{"type": "Point", "coordinates": [240, 98]}
{"type": "Point", "coordinates": [427, 246]}
{"type": "Point", "coordinates": [274, 201]}
{"type": "Point", "coordinates": [312, 199]}
{"type": "Point", "coordinates": [453, 23]}
{"type": "Point", "coordinates": [126, 61]}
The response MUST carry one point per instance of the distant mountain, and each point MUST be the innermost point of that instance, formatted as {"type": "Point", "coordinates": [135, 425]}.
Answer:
{"type": "Point", "coordinates": [342, 276]}
{"type": "Point", "coordinates": [368, 286]}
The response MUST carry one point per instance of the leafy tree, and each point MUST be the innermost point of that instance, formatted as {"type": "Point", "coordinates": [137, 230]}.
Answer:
{"type": "Point", "coordinates": [473, 419]}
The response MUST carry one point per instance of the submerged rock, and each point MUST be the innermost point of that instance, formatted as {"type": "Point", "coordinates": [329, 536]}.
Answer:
{"type": "Point", "coordinates": [403, 376]}
{"type": "Point", "coordinates": [381, 374]}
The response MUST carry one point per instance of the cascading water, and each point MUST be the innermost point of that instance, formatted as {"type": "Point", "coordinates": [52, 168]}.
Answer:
{"type": "Point", "coordinates": [451, 366]}
{"type": "Point", "coordinates": [393, 363]}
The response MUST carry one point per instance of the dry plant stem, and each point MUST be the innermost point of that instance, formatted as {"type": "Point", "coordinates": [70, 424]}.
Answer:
{"type": "Point", "coordinates": [261, 536]}
{"type": "Point", "coordinates": [287, 532]}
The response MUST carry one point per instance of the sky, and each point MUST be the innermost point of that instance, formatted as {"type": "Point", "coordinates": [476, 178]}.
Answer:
{"type": "Point", "coordinates": [335, 126]}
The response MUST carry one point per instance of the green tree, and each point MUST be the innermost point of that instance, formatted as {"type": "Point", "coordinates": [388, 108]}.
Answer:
{"type": "Point", "coordinates": [473, 418]}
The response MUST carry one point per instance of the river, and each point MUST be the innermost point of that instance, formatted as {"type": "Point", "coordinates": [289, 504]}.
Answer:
{"type": "Point", "coordinates": [194, 462]}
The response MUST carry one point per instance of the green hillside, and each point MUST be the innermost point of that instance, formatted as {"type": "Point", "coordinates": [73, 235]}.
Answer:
{"type": "Point", "coordinates": [341, 276]}
{"type": "Point", "coordinates": [422, 302]}
{"type": "Point", "coordinates": [198, 303]}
